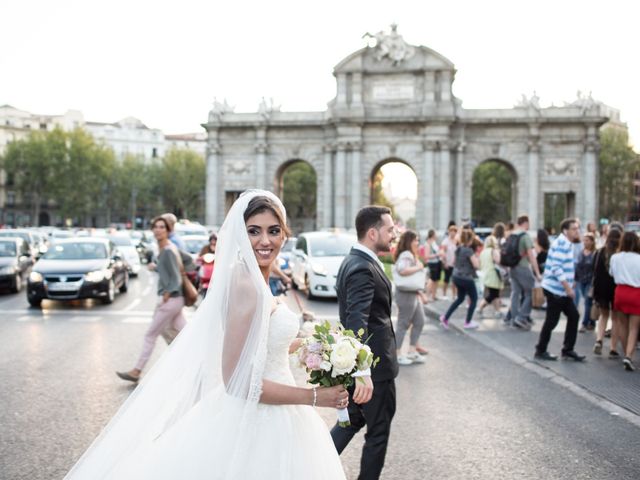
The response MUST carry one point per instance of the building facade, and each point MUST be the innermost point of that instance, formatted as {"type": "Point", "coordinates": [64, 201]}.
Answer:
{"type": "Point", "coordinates": [394, 102]}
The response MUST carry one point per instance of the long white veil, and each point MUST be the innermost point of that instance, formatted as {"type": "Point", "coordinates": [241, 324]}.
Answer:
{"type": "Point", "coordinates": [223, 347]}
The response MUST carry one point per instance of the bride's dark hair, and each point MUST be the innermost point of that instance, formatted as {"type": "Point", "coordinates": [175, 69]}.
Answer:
{"type": "Point", "coordinates": [265, 204]}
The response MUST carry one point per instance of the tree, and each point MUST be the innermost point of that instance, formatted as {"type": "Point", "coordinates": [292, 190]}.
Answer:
{"type": "Point", "coordinates": [299, 190]}
{"type": "Point", "coordinates": [377, 193]}
{"type": "Point", "coordinates": [491, 193]}
{"type": "Point", "coordinates": [34, 165]}
{"type": "Point", "coordinates": [618, 164]}
{"type": "Point", "coordinates": [183, 182]}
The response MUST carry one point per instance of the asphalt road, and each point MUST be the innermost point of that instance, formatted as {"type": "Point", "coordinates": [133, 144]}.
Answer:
{"type": "Point", "coordinates": [467, 413]}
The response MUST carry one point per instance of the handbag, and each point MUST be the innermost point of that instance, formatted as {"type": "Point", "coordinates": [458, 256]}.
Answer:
{"type": "Point", "coordinates": [410, 283]}
{"type": "Point", "coordinates": [594, 314]}
{"type": "Point", "coordinates": [189, 292]}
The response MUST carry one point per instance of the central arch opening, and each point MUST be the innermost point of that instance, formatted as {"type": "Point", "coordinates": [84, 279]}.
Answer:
{"type": "Point", "coordinates": [394, 184]}
{"type": "Point", "coordinates": [297, 186]}
{"type": "Point", "coordinates": [493, 194]}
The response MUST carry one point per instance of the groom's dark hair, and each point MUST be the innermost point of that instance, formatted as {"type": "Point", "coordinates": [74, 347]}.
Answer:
{"type": "Point", "coordinates": [369, 217]}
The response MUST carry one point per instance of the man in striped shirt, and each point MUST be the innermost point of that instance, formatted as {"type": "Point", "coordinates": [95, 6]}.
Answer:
{"type": "Point", "coordinates": [557, 284]}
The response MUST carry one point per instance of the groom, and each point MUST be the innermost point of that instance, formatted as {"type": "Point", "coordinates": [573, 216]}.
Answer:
{"type": "Point", "coordinates": [364, 297]}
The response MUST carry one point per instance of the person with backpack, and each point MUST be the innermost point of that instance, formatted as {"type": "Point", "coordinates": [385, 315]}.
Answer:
{"type": "Point", "coordinates": [518, 254]}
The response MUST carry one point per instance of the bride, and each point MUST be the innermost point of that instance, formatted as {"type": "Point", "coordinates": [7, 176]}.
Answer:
{"type": "Point", "coordinates": [222, 403]}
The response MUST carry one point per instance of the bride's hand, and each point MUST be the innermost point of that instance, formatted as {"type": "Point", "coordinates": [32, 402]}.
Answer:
{"type": "Point", "coordinates": [332, 397]}
{"type": "Point", "coordinates": [295, 345]}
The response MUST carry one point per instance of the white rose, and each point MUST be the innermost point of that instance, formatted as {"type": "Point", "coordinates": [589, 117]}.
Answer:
{"type": "Point", "coordinates": [326, 366]}
{"type": "Point", "coordinates": [343, 358]}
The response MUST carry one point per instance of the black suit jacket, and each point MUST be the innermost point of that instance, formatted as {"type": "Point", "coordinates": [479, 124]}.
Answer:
{"type": "Point", "coordinates": [364, 299]}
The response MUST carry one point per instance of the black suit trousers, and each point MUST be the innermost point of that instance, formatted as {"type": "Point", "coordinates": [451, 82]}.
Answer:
{"type": "Point", "coordinates": [376, 415]}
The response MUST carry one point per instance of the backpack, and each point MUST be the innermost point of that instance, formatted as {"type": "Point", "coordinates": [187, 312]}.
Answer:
{"type": "Point", "coordinates": [510, 251]}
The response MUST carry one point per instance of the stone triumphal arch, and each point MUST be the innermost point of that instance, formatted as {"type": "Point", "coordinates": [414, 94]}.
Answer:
{"type": "Point", "coordinates": [395, 101]}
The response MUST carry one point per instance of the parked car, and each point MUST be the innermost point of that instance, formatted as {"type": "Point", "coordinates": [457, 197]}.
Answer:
{"type": "Point", "coordinates": [183, 229]}
{"type": "Point", "coordinates": [78, 268]}
{"type": "Point", "coordinates": [16, 262]}
{"type": "Point", "coordinates": [315, 261]}
{"type": "Point", "coordinates": [127, 248]}
{"type": "Point", "coordinates": [194, 243]}
{"type": "Point", "coordinates": [26, 235]}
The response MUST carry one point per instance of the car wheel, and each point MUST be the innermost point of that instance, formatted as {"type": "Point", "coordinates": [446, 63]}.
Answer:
{"type": "Point", "coordinates": [125, 284]}
{"type": "Point", "coordinates": [111, 293]}
{"type": "Point", "coordinates": [307, 288]}
{"type": "Point", "coordinates": [34, 301]}
{"type": "Point", "coordinates": [17, 286]}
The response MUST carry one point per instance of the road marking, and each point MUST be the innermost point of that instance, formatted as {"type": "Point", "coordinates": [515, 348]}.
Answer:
{"type": "Point", "coordinates": [132, 305]}
{"type": "Point", "coordinates": [85, 319]}
{"type": "Point", "coordinates": [146, 291]}
{"type": "Point", "coordinates": [26, 318]}
{"type": "Point", "coordinates": [136, 320]}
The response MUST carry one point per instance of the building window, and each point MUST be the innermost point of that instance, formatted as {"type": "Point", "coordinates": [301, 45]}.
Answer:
{"type": "Point", "coordinates": [154, 152]}
{"type": "Point", "coordinates": [43, 126]}
{"type": "Point", "coordinates": [11, 199]}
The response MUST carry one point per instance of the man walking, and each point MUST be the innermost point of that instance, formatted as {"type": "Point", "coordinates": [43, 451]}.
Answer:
{"type": "Point", "coordinates": [364, 298]}
{"type": "Point", "coordinates": [522, 276]}
{"type": "Point", "coordinates": [557, 285]}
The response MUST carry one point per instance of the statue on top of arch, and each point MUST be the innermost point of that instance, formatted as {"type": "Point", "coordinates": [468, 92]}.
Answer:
{"type": "Point", "coordinates": [586, 103]}
{"type": "Point", "coordinates": [219, 109]}
{"type": "Point", "coordinates": [391, 46]}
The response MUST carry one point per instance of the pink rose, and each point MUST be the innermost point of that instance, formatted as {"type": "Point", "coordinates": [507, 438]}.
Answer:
{"type": "Point", "coordinates": [315, 347]}
{"type": "Point", "coordinates": [314, 361]}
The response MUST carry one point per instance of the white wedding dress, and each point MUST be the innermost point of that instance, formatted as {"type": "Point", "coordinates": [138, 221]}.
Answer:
{"type": "Point", "coordinates": [288, 441]}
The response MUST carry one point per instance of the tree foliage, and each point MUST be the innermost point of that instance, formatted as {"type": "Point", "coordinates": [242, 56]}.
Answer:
{"type": "Point", "coordinates": [491, 197]}
{"type": "Point", "coordinates": [377, 193]}
{"type": "Point", "coordinates": [299, 190]}
{"type": "Point", "coordinates": [618, 165]}
{"type": "Point", "coordinates": [85, 181]}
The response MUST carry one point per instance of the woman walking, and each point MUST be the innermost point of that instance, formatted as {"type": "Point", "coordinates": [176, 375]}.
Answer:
{"type": "Point", "coordinates": [624, 266]}
{"type": "Point", "coordinates": [168, 312]}
{"type": "Point", "coordinates": [584, 279]}
{"type": "Point", "coordinates": [493, 283]}
{"type": "Point", "coordinates": [604, 288]}
{"type": "Point", "coordinates": [448, 252]}
{"type": "Point", "coordinates": [434, 262]}
{"type": "Point", "coordinates": [464, 274]}
{"type": "Point", "coordinates": [410, 311]}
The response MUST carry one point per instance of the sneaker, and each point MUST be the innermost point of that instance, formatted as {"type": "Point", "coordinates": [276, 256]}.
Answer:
{"type": "Point", "coordinates": [628, 364]}
{"type": "Point", "coordinates": [404, 360]}
{"type": "Point", "coordinates": [471, 325]}
{"type": "Point", "coordinates": [523, 325]}
{"type": "Point", "coordinates": [415, 357]}
{"type": "Point", "coordinates": [597, 348]}
{"type": "Point", "coordinates": [480, 313]}
{"type": "Point", "coordinates": [444, 322]}
{"type": "Point", "coordinates": [613, 355]}
{"type": "Point", "coordinates": [529, 320]}
{"type": "Point", "coordinates": [499, 316]}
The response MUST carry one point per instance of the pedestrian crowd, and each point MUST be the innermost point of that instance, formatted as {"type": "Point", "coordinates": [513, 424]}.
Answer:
{"type": "Point", "coordinates": [593, 272]}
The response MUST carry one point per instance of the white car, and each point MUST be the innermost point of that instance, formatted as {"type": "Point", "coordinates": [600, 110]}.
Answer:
{"type": "Point", "coordinates": [315, 261]}
{"type": "Point", "coordinates": [127, 248]}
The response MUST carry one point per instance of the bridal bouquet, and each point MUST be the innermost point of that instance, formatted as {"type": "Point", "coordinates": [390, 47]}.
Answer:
{"type": "Point", "coordinates": [332, 355]}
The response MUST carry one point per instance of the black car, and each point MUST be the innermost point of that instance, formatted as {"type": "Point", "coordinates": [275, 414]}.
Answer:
{"type": "Point", "coordinates": [78, 268]}
{"type": "Point", "coordinates": [15, 263]}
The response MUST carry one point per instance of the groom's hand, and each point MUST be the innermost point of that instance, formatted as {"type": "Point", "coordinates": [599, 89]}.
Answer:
{"type": "Point", "coordinates": [363, 390]}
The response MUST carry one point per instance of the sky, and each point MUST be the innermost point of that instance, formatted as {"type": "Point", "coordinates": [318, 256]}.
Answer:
{"type": "Point", "coordinates": [165, 62]}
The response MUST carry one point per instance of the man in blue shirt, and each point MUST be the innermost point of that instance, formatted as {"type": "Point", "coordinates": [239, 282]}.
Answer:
{"type": "Point", "coordinates": [557, 284]}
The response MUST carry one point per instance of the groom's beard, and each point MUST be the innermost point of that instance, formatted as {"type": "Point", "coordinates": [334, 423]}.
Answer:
{"type": "Point", "coordinates": [382, 247]}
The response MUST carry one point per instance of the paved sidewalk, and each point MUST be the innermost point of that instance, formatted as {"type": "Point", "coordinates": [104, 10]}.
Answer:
{"type": "Point", "coordinates": [598, 375]}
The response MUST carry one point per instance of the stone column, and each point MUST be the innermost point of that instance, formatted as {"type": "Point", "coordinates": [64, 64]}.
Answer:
{"type": "Point", "coordinates": [589, 178]}
{"type": "Point", "coordinates": [340, 204]}
{"type": "Point", "coordinates": [459, 176]}
{"type": "Point", "coordinates": [356, 182]}
{"type": "Point", "coordinates": [533, 174]}
{"type": "Point", "coordinates": [261, 158]}
{"type": "Point", "coordinates": [428, 181]}
{"type": "Point", "coordinates": [327, 190]}
{"type": "Point", "coordinates": [444, 175]}
{"type": "Point", "coordinates": [212, 193]}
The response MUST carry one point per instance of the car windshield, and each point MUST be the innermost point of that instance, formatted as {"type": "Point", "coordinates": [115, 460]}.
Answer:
{"type": "Point", "coordinates": [7, 249]}
{"type": "Point", "coordinates": [76, 251]}
{"type": "Point", "coordinates": [194, 245]}
{"type": "Point", "coordinates": [334, 246]}
{"type": "Point", "coordinates": [288, 246]}
{"type": "Point", "coordinates": [632, 227]}
{"type": "Point", "coordinates": [121, 241]}
{"type": "Point", "coordinates": [23, 235]}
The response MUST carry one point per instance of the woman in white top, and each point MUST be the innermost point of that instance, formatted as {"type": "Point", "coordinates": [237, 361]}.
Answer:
{"type": "Point", "coordinates": [624, 267]}
{"type": "Point", "coordinates": [410, 309]}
